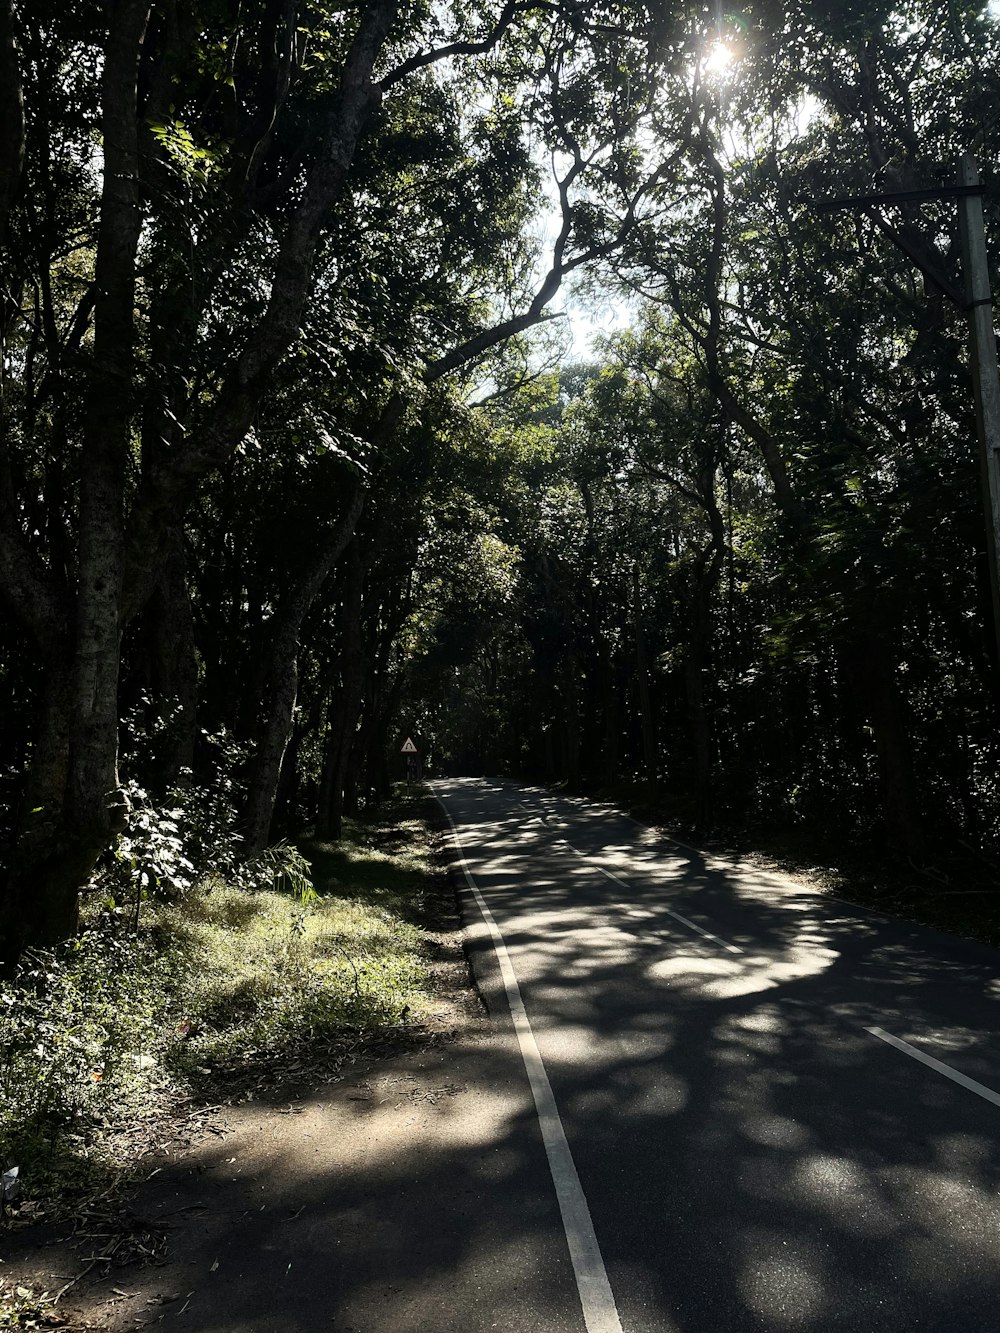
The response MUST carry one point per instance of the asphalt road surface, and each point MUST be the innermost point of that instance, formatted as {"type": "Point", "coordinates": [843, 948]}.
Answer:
{"type": "Point", "coordinates": [763, 1108]}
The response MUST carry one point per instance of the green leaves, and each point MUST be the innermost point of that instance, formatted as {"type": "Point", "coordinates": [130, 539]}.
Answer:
{"type": "Point", "coordinates": [195, 164]}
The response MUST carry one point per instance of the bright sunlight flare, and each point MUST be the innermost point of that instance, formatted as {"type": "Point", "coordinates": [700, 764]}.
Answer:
{"type": "Point", "coordinates": [719, 59]}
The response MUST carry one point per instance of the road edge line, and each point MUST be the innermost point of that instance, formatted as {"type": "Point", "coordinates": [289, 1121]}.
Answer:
{"type": "Point", "coordinates": [600, 1312]}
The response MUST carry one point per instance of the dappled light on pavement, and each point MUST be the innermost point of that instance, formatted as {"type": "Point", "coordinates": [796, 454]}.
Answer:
{"type": "Point", "coordinates": [753, 1157]}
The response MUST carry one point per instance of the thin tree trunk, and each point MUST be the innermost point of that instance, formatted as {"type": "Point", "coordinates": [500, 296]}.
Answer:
{"type": "Point", "coordinates": [875, 677]}
{"type": "Point", "coordinates": [350, 803]}
{"type": "Point", "coordinates": [646, 717]}
{"type": "Point", "coordinates": [347, 706]}
{"type": "Point", "coordinates": [377, 749]}
{"type": "Point", "coordinates": [283, 820]}
{"type": "Point", "coordinates": [269, 751]}
{"type": "Point", "coordinates": [166, 488]}
{"type": "Point", "coordinates": [174, 669]}
{"type": "Point", "coordinates": [571, 723]}
{"type": "Point", "coordinates": [700, 732]}
{"type": "Point", "coordinates": [11, 117]}
{"type": "Point", "coordinates": [27, 916]}
{"type": "Point", "coordinates": [277, 708]}
{"type": "Point", "coordinates": [612, 719]}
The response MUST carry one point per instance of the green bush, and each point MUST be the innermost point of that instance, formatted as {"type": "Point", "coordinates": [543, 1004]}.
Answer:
{"type": "Point", "coordinates": [213, 975]}
{"type": "Point", "coordinates": [81, 1035]}
{"type": "Point", "coordinates": [166, 850]}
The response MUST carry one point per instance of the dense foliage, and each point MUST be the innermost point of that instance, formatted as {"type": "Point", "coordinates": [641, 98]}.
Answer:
{"type": "Point", "coordinates": [287, 467]}
{"type": "Point", "coordinates": [743, 556]}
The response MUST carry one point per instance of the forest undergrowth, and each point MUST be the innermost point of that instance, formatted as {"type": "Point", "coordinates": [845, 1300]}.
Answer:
{"type": "Point", "coordinates": [222, 993]}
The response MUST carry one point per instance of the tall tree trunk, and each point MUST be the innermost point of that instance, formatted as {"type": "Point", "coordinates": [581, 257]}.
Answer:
{"type": "Point", "coordinates": [571, 721]}
{"type": "Point", "coordinates": [350, 802]}
{"type": "Point", "coordinates": [612, 719]}
{"type": "Point", "coordinates": [382, 714]}
{"type": "Point", "coordinates": [269, 751]}
{"type": "Point", "coordinates": [94, 808]}
{"type": "Point", "coordinates": [174, 668]}
{"type": "Point", "coordinates": [708, 570]}
{"type": "Point", "coordinates": [346, 706]}
{"type": "Point", "coordinates": [283, 820]}
{"type": "Point", "coordinates": [277, 706]}
{"type": "Point", "coordinates": [646, 717]}
{"type": "Point", "coordinates": [368, 735]}
{"type": "Point", "coordinates": [377, 763]}
{"type": "Point", "coordinates": [876, 679]}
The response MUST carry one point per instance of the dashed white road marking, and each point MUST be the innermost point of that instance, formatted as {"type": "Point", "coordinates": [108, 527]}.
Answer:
{"type": "Point", "coordinates": [600, 1313]}
{"type": "Point", "coordinates": [692, 925]}
{"type": "Point", "coordinates": [610, 812]}
{"type": "Point", "coordinates": [970, 1084]}
{"type": "Point", "coordinates": [938, 1065]}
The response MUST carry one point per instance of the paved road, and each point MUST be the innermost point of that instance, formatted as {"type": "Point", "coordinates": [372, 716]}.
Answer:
{"type": "Point", "coordinates": [735, 1061]}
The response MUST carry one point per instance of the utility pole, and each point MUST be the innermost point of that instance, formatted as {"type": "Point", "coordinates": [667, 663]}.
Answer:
{"type": "Point", "coordinates": [983, 356]}
{"type": "Point", "coordinates": [976, 299]}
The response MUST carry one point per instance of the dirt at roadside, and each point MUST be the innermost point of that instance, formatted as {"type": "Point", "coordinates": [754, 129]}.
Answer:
{"type": "Point", "coordinates": [249, 1167]}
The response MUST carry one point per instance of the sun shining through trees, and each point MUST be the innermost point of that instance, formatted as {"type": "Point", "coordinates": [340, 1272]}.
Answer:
{"type": "Point", "coordinates": [720, 58]}
{"type": "Point", "coordinates": [749, 399]}
{"type": "Point", "coordinates": [253, 489]}
{"type": "Point", "coordinates": [294, 467]}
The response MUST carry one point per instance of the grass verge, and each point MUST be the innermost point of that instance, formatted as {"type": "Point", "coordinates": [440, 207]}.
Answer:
{"type": "Point", "coordinates": [218, 996]}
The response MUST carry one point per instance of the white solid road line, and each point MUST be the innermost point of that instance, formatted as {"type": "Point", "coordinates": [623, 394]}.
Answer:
{"type": "Point", "coordinates": [692, 925]}
{"type": "Point", "coordinates": [600, 1313]}
{"type": "Point", "coordinates": [978, 1088]}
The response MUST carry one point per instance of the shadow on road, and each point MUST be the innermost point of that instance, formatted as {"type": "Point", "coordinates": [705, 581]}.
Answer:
{"type": "Point", "coordinates": [754, 1157]}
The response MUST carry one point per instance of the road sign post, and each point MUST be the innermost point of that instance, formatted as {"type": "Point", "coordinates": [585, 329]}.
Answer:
{"type": "Point", "coordinates": [412, 755]}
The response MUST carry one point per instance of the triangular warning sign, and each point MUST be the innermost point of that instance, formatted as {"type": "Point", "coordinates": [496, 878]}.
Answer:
{"type": "Point", "coordinates": [408, 747]}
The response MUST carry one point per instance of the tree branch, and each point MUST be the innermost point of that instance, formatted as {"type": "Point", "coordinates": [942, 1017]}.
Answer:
{"type": "Point", "coordinates": [11, 117]}
{"type": "Point", "coordinates": [511, 11]}
{"type": "Point", "coordinates": [168, 484]}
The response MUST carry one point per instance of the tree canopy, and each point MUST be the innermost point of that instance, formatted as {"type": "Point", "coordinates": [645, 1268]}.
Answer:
{"type": "Point", "coordinates": [295, 452]}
